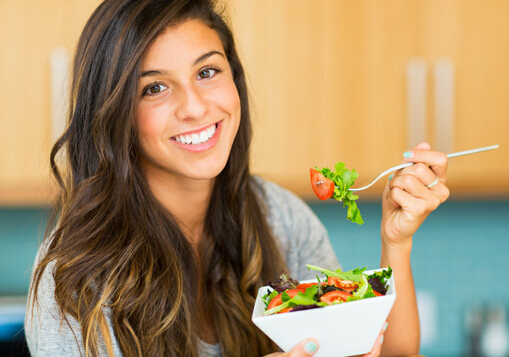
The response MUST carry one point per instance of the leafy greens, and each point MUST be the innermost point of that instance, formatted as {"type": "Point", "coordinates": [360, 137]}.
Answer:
{"type": "Point", "coordinates": [353, 275]}
{"type": "Point", "coordinates": [306, 298]}
{"type": "Point", "coordinates": [343, 180]}
{"type": "Point", "coordinates": [367, 285]}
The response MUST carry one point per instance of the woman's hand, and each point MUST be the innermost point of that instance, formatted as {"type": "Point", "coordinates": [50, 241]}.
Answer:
{"type": "Point", "coordinates": [304, 349]}
{"type": "Point", "coordinates": [408, 198]}
{"type": "Point", "coordinates": [310, 348]}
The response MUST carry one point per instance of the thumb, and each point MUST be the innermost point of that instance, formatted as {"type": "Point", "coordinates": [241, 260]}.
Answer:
{"type": "Point", "coordinates": [305, 349]}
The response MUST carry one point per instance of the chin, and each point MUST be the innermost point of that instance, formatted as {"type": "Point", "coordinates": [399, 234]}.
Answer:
{"type": "Point", "coordinates": [207, 173]}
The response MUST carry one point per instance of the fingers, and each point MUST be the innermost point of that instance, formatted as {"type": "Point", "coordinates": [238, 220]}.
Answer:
{"type": "Point", "coordinates": [412, 193]}
{"type": "Point", "coordinates": [377, 347]}
{"type": "Point", "coordinates": [425, 179]}
{"type": "Point", "coordinates": [310, 347]}
{"type": "Point", "coordinates": [435, 160]}
{"type": "Point", "coordinates": [304, 349]}
{"type": "Point", "coordinates": [416, 180]}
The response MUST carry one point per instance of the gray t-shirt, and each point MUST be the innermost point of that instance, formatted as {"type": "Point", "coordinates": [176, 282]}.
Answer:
{"type": "Point", "coordinates": [302, 239]}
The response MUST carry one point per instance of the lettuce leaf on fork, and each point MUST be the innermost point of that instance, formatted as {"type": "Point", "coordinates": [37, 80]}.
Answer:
{"type": "Point", "coordinates": [344, 179]}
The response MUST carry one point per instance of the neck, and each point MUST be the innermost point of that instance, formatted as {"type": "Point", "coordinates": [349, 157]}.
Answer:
{"type": "Point", "coordinates": [187, 200]}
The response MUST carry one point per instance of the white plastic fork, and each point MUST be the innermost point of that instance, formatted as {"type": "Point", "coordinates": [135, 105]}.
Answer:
{"type": "Point", "coordinates": [402, 166]}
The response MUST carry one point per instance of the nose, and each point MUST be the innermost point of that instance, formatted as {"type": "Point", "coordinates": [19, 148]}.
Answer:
{"type": "Point", "coordinates": [192, 103]}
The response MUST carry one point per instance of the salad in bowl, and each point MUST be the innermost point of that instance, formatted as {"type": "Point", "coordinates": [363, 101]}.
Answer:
{"type": "Point", "coordinates": [344, 311]}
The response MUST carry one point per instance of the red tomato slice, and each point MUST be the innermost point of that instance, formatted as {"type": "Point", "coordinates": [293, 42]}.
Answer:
{"type": "Point", "coordinates": [346, 285]}
{"type": "Point", "coordinates": [334, 296]}
{"type": "Point", "coordinates": [276, 301]}
{"type": "Point", "coordinates": [288, 309]}
{"type": "Point", "coordinates": [306, 285]}
{"type": "Point", "coordinates": [322, 186]}
{"type": "Point", "coordinates": [377, 293]}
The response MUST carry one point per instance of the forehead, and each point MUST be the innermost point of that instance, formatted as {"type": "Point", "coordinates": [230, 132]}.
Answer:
{"type": "Point", "coordinates": [182, 43]}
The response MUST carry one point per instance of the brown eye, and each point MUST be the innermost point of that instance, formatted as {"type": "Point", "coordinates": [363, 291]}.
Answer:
{"type": "Point", "coordinates": [207, 73]}
{"type": "Point", "coordinates": [155, 89]}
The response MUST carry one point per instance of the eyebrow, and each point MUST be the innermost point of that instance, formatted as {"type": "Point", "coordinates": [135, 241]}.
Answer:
{"type": "Point", "coordinates": [197, 61]}
{"type": "Point", "coordinates": [207, 55]}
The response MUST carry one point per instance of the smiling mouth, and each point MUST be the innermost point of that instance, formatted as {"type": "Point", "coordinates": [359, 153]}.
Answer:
{"type": "Point", "coordinates": [198, 137]}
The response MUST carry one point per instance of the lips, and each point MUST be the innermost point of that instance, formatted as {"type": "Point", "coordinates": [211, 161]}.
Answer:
{"type": "Point", "coordinates": [196, 138]}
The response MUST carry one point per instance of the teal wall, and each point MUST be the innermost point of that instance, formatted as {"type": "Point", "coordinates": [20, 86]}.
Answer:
{"type": "Point", "coordinates": [459, 256]}
{"type": "Point", "coordinates": [20, 232]}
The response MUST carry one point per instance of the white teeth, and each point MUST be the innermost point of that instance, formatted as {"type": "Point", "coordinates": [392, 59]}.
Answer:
{"type": "Point", "coordinates": [197, 138]}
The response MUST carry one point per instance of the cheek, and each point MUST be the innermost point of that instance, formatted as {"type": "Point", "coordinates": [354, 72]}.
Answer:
{"type": "Point", "coordinates": [146, 122]}
{"type": "Point", "coordinates": [231, 101]}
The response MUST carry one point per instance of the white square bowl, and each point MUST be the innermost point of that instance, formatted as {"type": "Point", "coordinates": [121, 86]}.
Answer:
{"type": "Point", "coordinates": [345, 329]}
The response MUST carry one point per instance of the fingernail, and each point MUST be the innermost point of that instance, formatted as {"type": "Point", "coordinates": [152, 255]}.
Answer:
{"type": "Point", "coordinates": [385, 326]}
{"type": "Point", "coordinates": [408, 154]}
{"type": "Point", "coordinates": [382, 339]}
{"type": "Point", "coordinates": [310, 347]}
{"type": "Point", "coordinates": [390, 177]}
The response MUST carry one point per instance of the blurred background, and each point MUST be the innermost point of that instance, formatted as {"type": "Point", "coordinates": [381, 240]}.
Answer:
{"type": "Point", "coordinates": [330, 80]}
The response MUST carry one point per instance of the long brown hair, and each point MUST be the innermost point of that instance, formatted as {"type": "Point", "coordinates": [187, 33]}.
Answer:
{"type": "Point", "coordinates": [121, 258]}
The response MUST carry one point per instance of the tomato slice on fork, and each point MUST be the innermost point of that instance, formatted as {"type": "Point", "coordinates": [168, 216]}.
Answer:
{"type": "Point", "coordinates": [322, 186]}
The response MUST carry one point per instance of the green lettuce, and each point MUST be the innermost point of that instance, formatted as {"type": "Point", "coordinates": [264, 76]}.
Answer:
{"type": "Point", "coordinates": [306, 298]}
{"type": "Point", "coordinates": [383, 275]}
{"type": "Point", "coordinates": [364, 290]}
{"type": "Point", "coordinates": [269, 296]}
{"type": "Point", "coordinates": [353, 275]}
{"type": "Point", "coordinates": [343, 180]}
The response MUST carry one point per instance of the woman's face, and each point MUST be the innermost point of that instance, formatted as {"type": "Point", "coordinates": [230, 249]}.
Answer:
{"type": "Point", "coordinates": [188, 109]}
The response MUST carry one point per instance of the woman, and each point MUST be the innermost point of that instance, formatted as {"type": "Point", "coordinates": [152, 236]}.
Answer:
{"type": "Point", "coordinates": [161, 236]}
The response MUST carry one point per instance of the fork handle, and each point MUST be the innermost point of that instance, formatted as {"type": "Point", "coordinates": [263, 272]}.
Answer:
{"type": "Point", "coordinates": [388, 171]}
{"type": "Point", "coordinates": [402, 166]}
{"type": "Point", "coordinates": [472, 151]}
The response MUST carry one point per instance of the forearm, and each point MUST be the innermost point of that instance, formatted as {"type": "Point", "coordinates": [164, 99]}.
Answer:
{"type": "Point", "coordinates": [403, 333]}
{"type": "Point", "coordinates": [407, 201]}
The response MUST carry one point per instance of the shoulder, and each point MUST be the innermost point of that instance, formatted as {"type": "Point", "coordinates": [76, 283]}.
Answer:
{"type": "Point", "coordinates": [48, 332]}
{"type": "Point", "coordinates": [279, 201]}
